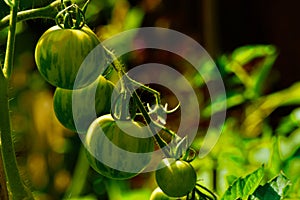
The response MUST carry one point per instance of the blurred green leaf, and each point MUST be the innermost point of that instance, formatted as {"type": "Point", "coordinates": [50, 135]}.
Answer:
{"type": "Point", "coordinates": [289, 123]}
{"type": "Point", "coordinates": [251, 64]}
{"type": "Point", "coordinates": [243, 187]}
{"type": "Point", "coordinates": [134, 18]}
{"type": "Point", "coordinates": [232, 99]}
{"type": "Point", "coordinates": [262, 107]}
{"type": "Point", "coordinates": [289, 145]}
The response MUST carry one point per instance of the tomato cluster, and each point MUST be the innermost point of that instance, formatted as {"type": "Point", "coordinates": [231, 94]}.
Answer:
{"type": "Point", "coordinates": [82, 103]}
{"type": "Point", "coordinates": [60, 56]}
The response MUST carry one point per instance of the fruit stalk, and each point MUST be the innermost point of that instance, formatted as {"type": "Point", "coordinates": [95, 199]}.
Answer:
{"type": "Point", "coordinates": [124, 86]}
{"type": "Point", "coordinates": [161, 143]}
{"type": "Point", "coordinates": [16, 188]}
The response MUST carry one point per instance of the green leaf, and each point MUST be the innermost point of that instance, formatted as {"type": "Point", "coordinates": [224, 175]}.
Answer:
{"type": "Point", "coordinates": [230, 179]}
{"type": "Point", "coordinates": [243, 187]}
{"type": "Point", "coordinates": [275, 189]}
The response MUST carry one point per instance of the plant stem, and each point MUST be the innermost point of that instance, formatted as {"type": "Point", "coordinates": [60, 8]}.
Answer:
{"type": "Point", "coordinates": [16, 188]}
{"type": "Point", "coordinates": [49, 11]}
{"type": "Point", "coordinates": [79, 176]}
{"type": "Point", "coordinates": [3, 187]}
{"type": "Point", "coordinates": [8, 62]}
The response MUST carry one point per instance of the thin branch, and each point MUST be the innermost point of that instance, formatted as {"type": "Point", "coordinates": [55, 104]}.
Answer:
{"type": "Point", "coordinates": [49, 12]}
{"type": "Point", "coordinates": [8, 62]}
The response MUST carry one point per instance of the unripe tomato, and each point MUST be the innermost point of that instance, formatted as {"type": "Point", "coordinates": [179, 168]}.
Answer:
{"type": "Point", "coordinates": [105, 140]}
{"type": "Point", "coordinates": [158, 194]}
{"type": "Point", "coordinates": [60, 53]}
{"type": "Point", "coordinates": [72, 106]}
{"type": "Point", "coordinates": [176, 178]}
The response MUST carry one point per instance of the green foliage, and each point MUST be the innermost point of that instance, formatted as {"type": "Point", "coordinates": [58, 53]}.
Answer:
{"type": "Point", "coordinates": [250, 188]}
{"type": "Point", "coordinates": [251, 65]}
{"type": "Point", "coordinates": [243, 187]}
{"type": "Point", "coordinates": [275, 189]}
{"type": "Point", "coordinates": [249, 139]}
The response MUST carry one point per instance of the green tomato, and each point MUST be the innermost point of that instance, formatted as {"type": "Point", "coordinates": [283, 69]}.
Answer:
{"type": "Point", "coordinates": [176, 178]}
{"type": "Point", "coordinates": [73, 108]}
{"type": "Point", "coordinates": [158, 194]}
{"type": "Point", "coordinates": [60, 53]}
{"type": "Point", "coordinates": [106, 141]}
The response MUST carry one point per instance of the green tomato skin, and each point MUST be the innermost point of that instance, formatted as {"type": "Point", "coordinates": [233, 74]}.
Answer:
{"type": "Point", "coordinates": [158, 194]}
{"type": "Point", "coordinates": [175, 178]}
{"type": "Point", "coordinates": [59, 54]}
{"type": "Point", "coordinates": [96, 146]}
{"type": "Point", "coordinates": [72, 106]}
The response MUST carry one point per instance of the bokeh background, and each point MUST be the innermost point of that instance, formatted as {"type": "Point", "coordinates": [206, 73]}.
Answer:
{"type": "Point", "coordinates": [50, 156]}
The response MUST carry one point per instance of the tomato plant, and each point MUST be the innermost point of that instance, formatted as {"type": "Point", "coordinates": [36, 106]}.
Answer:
{"type": "Point", "coordinates": [98, 148]}
{"type": "Point", "coordinates": [67, 57]}
{"type": "Point", "coordinates": [180, 173]}
{"type": "Point", "coordinates": [70, 104]}
{"type": "Point", "coordinates": [60, 55]}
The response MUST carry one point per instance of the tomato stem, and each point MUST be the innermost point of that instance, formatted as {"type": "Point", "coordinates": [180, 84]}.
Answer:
{"type": "Point", "coordinates": [16, 188]}
{"type": "Point", "coordinates": [161, 143]}
{"type": "Point", "coordinates": [154, 92]}
{"type": "Point", "coordinates": [119, 69]}
{"type": "Point", "coordinates": [71, 17]}
{"type": "Point", "coordinates": [129, 87]}
{"type": "Point", "coordinates": [49, 12]}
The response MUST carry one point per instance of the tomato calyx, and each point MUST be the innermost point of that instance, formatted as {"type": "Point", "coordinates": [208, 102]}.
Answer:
{"type": "Point", "coordinates": [71, 16]}
{"type": "Point", "coordinates": [179, 149]}
{"type": "Point", "coordinates": [121, 107]}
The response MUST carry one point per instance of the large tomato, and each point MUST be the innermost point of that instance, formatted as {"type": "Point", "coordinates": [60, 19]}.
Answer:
{"type": "Point", "coordinates": [176, 178]}
{"type": "Point", "coordinates": [59, 54]}
{"type": "Point", "coordinates": [77, 109]}
{"type": "Point", "coordinates": [114, 152]}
